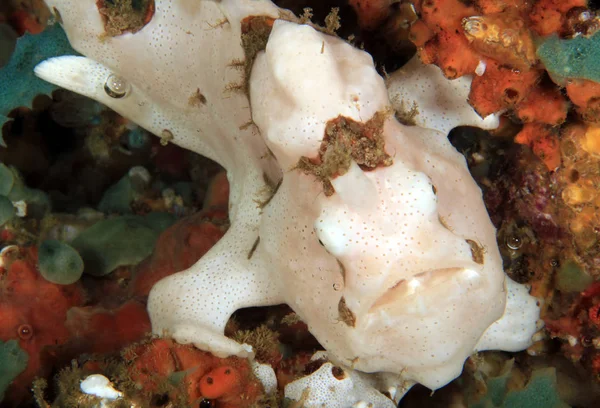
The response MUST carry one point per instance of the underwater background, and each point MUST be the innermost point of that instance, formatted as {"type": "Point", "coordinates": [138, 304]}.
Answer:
{"type": "Point", "coordinates": [94, 210]}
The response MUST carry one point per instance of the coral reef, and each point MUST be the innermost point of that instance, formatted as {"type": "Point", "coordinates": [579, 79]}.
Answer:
{"type": "Point", "coordinates": [18, 85]}
{"type": "Point", "coordinates": [24, 294]}
{"type": "Point", "coordinates": [50, 312]}
{"type": "Point", "coordinates": [513, 49]}
{"type": "Point", "coordinates": [263, 245]}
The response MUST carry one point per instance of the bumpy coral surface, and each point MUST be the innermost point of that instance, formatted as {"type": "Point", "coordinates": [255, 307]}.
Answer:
{"type": "Point", "coordinates": [229, 382]}
{"type": "Point", "coordinates": [373, 232]}
{"type": "Point", "coordinates": [24, 293]}
{"type": "Point", "coordinates": [510, 47]}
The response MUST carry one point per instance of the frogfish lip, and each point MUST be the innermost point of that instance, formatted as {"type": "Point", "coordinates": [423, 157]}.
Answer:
{"type": "Point", "coordinates": [427, 289]}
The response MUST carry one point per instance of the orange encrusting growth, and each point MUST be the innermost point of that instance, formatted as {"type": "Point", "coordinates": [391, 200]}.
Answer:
{"type": "Point", "coordinates": [548, 16]}
{"type": "Point", "coordinates": [100, 330]}
{"type": "Point", "coordinates": [545, 105]}
{"type": "Point", "coordinates": [543, 140]}
{"type": "Point", "coordinates": [219, 382]}
{"type": "Point", "coordinates": [501, 88]}
{"type": "Point", "coordinates": [25, 299]}
{"type": "Point", "coordinates": [228, 381]}
{"type": "Point", "coordinates": [493, 40]}
{"type": "Point", "coordinates": [449, 48]}
{"type": "Point", "coordinates": [498, 6]}
{"type": "Point", "coordinates": [586, 96]}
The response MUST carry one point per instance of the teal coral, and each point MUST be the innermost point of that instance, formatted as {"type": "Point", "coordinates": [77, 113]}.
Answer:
{"type": "Point", "coordinates": [59, 262]}
{"type": "Point", "coordinates": [120, 241]}
{"type": "Point", "coordinates": [541, 391]}
{"type": "Point", "coordinates": [13, 361]}
{"type": "Point", "coordinates": [577, 58]}
{"type": "Point", "coordinates": [18, 84]}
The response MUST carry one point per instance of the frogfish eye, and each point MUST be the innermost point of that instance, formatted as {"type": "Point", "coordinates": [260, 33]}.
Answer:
{"type": "Point", "coordinates": [116, 87]}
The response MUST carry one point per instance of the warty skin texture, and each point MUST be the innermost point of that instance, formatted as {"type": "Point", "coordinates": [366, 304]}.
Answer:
{"type": "Point", "coordinates": [422, 277]}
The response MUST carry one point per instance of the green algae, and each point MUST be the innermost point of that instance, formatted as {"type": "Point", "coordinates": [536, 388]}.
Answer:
{"type": "Point", "coordinates": [7, 179]}
{"type": "Point", "coordinates": [119, 197]}
{"type": "Point", "coordinates": [571, 277]}
{"type": "Point", "coordinates": [13, 190]}
{"type": "Point", "coordinates": [13, 361]}
{"type": "Point", "coordinates": [505, 390]}
{"type": "Point", "coordinates": [59, 263]}
{"type": "Point", "coordinates": [120, 241]}
{"type": "Point", "coordinates": [7, 210]}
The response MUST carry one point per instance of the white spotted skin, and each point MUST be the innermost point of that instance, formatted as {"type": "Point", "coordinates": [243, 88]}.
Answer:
{"type": "Point", "coordinates": [323, 389]}
{"type": "Point", "coordinates": [419, 300]}
{"type": "Point", "coordinates": [441, 104]}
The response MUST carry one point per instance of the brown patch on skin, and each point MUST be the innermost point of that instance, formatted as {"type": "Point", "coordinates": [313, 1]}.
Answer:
{"type": "Point", "coordinates": [254, 246]}
{"type": "Point", "coordinates": [255, 34]}
{"type": "Point", "coordinates": [313, 366]}
{"type": "Point", "coordinates": [338, 373]}
{"type": "Point", "coordinates": [407, 116]}
{"type": "Point", "coordinates": [346, 315]}
{"type": "Point", "coordinates": [263, 204]}
{"type": "Point", "coordinates": [125, 16]}
{"type": "Point", "coordinates": [346, 140]}
{"type": "Point", "coordinates": [57, 15]}
{"type": "Point", "coordinates": [476, 251]}
{"type": "Point", "coordinates": [219, 23]}
{"type": "Point", "coordinates": [165, 137]}
{"type": "Point", "coordinates": [197, 99]}
{"type": "Point", "coordinates": [247, 125]}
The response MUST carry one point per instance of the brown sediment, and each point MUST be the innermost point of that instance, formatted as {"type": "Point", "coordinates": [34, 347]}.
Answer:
{"type": "Point", "coordinates": [125, 16]}
{"type": "Point", "coordinates": [346, 140]}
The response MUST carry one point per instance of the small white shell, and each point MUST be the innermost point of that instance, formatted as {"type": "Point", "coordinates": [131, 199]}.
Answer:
{"type": "Point", "coordinates": [100, 386]}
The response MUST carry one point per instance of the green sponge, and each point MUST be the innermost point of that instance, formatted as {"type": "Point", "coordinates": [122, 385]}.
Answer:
{"type": "Point", "coordinates": [576, 58]}
{"type": "Point", "coordinates": [59, 262]}
{"type": "Point", "coordinates": [120, 241]}
{"type": "Point", "coordinates": [540, 391]}
{"type": "Point", "coordinates": [14, 189]}
{"type": "Point", "coordinates": [7, 179]}
{"type": "Point", "coordinates": [7, 210]}
{"type": "Point", "coordinates": [13, 361]}
{"type": "Point", "coordinates": [572, 277]}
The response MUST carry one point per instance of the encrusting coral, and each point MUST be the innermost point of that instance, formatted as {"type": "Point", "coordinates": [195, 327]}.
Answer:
{"type": "Point", "coordinates": [50, 339]}
{"type": "Point", "coordinates": [382, 245]}
{"type": "Point", "coordinates": [521, 54]}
